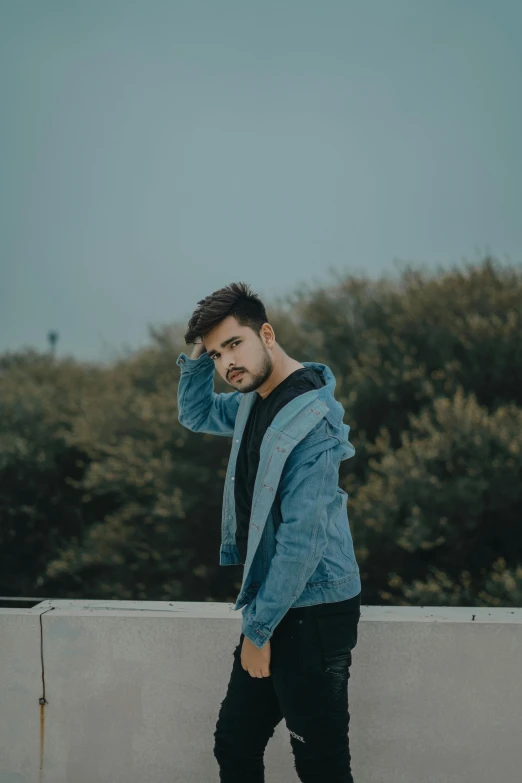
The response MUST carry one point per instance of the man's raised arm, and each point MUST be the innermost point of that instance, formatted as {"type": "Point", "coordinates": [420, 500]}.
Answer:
{"type": "Point", "coordinates": [200, 408]}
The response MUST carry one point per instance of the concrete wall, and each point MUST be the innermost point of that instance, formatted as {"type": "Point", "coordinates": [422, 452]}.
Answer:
{"type": "Point", "coordinates": [133, 690]}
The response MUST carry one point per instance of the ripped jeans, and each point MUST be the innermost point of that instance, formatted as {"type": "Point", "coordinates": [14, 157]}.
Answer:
{"type": "Point", "coordinates": [308, 687]}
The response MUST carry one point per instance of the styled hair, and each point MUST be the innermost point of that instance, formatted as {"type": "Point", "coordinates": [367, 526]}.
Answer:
{"type": "Point", "coordinates": [235, 299]}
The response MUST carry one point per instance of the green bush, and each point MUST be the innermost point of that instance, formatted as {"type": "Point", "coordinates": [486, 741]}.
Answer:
{"type": "Point", "coordinates": [104, 495]}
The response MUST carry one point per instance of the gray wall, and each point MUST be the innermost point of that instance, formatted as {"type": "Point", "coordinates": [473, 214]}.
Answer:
{"type": "Point", "coordinates": [133, 690]}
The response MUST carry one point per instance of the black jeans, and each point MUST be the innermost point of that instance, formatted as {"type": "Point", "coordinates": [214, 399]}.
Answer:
{"type": "Point", "coordinates": [308, 687]}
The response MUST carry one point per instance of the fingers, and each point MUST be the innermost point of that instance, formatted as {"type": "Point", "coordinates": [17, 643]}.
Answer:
{"type": "Point", "coordinates": [258, 672]}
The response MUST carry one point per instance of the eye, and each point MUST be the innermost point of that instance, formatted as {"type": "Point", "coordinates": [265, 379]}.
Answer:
{"type": "Point", "coordinates": [232, 344]}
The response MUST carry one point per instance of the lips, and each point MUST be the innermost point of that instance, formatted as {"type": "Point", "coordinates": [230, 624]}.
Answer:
{"type": "Point", "coordinates": [235, 375]}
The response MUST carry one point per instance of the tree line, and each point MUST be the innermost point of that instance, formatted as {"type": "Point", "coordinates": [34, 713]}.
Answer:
{"type": "Point", "coordinates": [103, 494]}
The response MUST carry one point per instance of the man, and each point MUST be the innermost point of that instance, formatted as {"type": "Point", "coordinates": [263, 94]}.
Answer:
{"type": "Point", "coordinates": [285, 518]}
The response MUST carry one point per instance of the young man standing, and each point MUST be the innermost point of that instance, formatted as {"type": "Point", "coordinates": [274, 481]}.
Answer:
{"type": "Point", "coordinates": [285, 518]}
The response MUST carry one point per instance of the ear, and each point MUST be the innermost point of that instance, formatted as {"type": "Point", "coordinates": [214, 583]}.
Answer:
{"type": "Point", "coordinates": [267, 334]}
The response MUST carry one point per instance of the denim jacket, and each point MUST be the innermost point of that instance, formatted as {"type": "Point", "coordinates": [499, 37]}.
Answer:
{"type": "Point", "coordinates": [300, 548]}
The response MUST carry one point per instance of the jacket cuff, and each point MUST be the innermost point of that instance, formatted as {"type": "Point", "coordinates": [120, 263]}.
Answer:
{"type": "Point", "coordinates": [258, 634]}
{"type": "Point", "coordinates": [186, 364]}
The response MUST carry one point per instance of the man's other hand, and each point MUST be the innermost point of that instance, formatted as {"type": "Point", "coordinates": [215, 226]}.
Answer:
{"type": "Point", "coordinates": [255, 661]}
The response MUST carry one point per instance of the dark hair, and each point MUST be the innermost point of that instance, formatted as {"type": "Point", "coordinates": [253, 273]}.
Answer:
{"type": "Point", "coordinates": [235, 299]}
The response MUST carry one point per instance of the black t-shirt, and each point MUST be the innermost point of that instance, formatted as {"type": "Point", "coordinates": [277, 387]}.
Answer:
{"type": "Point", "coordinates": [261, 416]}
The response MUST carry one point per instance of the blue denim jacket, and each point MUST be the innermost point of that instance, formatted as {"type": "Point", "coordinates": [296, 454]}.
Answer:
{"type": "Point", "coordinates": [300, 549]}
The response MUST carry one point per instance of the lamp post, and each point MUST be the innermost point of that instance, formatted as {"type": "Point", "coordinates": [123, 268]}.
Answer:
{"type": "Point", "coordinates": [52, 337]}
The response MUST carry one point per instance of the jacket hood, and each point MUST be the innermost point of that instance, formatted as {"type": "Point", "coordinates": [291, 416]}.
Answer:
{"type": "Point", "coordinates": [336, 411]}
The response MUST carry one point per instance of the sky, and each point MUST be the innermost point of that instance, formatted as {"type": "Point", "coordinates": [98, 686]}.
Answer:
{"type": "Point", "coordinates": [152, 152]}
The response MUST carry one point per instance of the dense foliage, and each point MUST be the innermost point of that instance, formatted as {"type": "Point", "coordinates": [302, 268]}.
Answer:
{"type": "Point", "coordinates": [103, 494]}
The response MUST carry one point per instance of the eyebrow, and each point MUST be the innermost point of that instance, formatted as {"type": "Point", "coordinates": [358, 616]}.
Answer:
{"type": "Point", "coordinates": [224, 344]}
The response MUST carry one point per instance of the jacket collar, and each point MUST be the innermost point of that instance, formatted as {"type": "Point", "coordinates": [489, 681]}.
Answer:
{"type": "Point", "coordinates": [320, 401]}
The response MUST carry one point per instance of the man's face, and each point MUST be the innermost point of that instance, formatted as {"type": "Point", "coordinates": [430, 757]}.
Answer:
{"type": "Point", "coordinates": [246, 353]}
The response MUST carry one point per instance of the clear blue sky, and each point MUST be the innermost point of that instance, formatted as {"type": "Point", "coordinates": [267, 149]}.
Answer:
{"type": "Point", "coordinates": [153, 151]}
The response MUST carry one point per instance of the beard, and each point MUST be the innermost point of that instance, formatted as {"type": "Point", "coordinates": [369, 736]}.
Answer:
{"type": "Point", "coordinates": [257, 378]}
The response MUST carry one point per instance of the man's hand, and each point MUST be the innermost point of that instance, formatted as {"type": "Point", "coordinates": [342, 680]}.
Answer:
{"type": "Point", "coordinates": [255, 661]}
{"type": "Point", "coordinates": [199, 349]}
